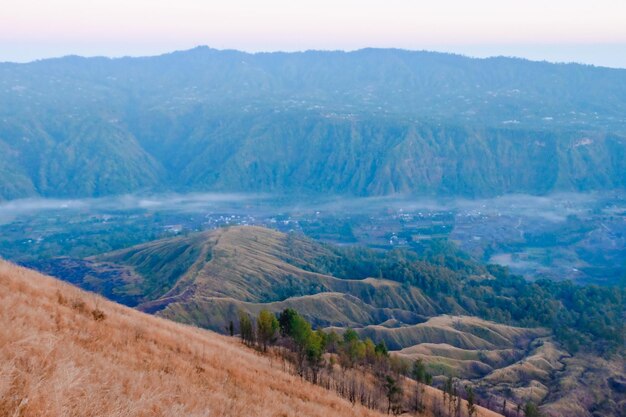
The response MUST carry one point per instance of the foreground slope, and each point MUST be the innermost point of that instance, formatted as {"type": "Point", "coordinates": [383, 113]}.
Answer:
{"type": "Point", "coordinates": [64, 351]}
{"type": "Point", "coordinates": [67, 352]}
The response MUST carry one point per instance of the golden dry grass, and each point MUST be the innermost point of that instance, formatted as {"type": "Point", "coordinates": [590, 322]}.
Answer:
{"type": "Point", "coordinates": [250, 263]}
{"type": "Point", "coordinates": [66, 352]}
{"type": "Point", "coordinates": [58, 359]}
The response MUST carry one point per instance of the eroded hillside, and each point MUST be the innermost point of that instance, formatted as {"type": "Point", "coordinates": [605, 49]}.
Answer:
{"type": "Point", "coordinates": [205, 279]}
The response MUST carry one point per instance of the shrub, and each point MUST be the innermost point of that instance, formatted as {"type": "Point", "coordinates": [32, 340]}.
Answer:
{"type": "Point", "coordinates": [97, 314]}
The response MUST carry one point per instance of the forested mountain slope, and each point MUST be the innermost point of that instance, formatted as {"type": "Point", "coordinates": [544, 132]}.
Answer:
{"type": "Point", "coordinates": [368, 122]}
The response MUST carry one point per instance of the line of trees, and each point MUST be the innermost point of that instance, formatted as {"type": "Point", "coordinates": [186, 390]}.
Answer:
{"type": "Point", "coordinates": [357, 369]}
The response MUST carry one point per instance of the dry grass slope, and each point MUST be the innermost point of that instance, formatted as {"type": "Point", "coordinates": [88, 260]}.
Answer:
{"type": "Point", "coordinates": [464, 332]}
{"type": "Point", "coordinates": [64, 352]}
{"type": "Point", "coordinates": [213, 273]}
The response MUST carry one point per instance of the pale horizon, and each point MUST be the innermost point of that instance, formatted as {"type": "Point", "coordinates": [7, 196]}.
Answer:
{"type": "Point", "coordinates": [596, 55]}
{"type": "Point", "coordinates": [558, 31]}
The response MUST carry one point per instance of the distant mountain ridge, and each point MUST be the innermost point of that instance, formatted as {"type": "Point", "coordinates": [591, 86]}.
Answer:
{"type": "Point", "coordinates": [368, 122]}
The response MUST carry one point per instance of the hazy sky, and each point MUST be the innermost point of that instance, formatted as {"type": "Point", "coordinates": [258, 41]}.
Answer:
{"type": "Point", "coordinates": [559, 30]}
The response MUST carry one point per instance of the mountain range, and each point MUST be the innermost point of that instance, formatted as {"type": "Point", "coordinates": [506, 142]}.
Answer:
{"type": "Point", "coordinates": [368, 122]}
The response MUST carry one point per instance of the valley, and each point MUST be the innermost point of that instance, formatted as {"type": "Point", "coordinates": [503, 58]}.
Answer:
{"type": "Point", "coordinates": [580, 237]}
{"type": "Point", "coordinates": [316, 233]}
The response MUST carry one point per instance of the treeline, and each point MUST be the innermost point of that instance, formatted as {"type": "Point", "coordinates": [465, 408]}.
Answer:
{"type": "Point", "coordinates": [359, 370]}
{"type": "Point", "coordinates": [591, 316]}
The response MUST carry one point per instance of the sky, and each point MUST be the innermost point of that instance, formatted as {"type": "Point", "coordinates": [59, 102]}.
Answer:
{"type": "Point", "coordinates": [592, 32]}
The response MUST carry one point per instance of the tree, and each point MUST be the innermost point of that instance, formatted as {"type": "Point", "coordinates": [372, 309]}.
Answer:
{"type": "Point", "coordinates": [381, 349]}
{"type": "Point", "coordinates": [353, 350]}
{"type": "Point", "coordinates": [456, 398]}
{"type": "Point", "coordinates": [301, 333]}
{"type": "Point", "coordinates": [267, 326]}
{"type": "Point", "coordinates": [323, 339]}
{"type": "Point", "coordinates": [419, 371]}
{"type": "Point", "coordinates": [231, 328]}
{"type": "Point", "coordinates": [399, 365]}
{"type": "Point", "coordinates": [418, 397]}
{"type": "Point", "coordinates": [531, 410]}
{"type": "Point", "coordinates": [447, 393]}
{"type": "Point", "coordinates": [471, 399]}
{"type": "Point", "coordinates": [370, 351]}
{"type": "Point", "coordinates": [245, 328]}
{"type": "Point", "coordinates": [421, 377]}
{"type": "Point", "coordinates": [450, 390]}
{"type": "Point", "coordinates": [285, 320]}
{"type": "Point", "coordinates": [350, 335]}
{"type": "Point", "coordinates": [315, 351]}
{"type": "Point", "coordinates": [393, 391]}
{"type": "Point", "coordinates": [332, 341]}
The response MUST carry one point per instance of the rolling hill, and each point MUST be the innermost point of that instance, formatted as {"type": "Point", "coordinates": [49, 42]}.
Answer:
{"type": "Point", "coordinates": [370, 122]}
{"type": "Point", "coordinates": [64, 351]}
{"type": "Point", "coordinates": [204, 279]}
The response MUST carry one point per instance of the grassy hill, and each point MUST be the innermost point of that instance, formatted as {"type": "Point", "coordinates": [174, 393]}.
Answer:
{"type": "Point", "coordinates": [251, 265]}
{"type": "Point", "coordinates": [205, 279]}
{"type": "Point", "coordinates": [64, 351]}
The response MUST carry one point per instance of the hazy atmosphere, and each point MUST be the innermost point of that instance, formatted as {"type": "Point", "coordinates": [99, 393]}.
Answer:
{"type": "Point", "coordinates": [559, 31]}
{"type": "Point", "coordinates": [312, 208]}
